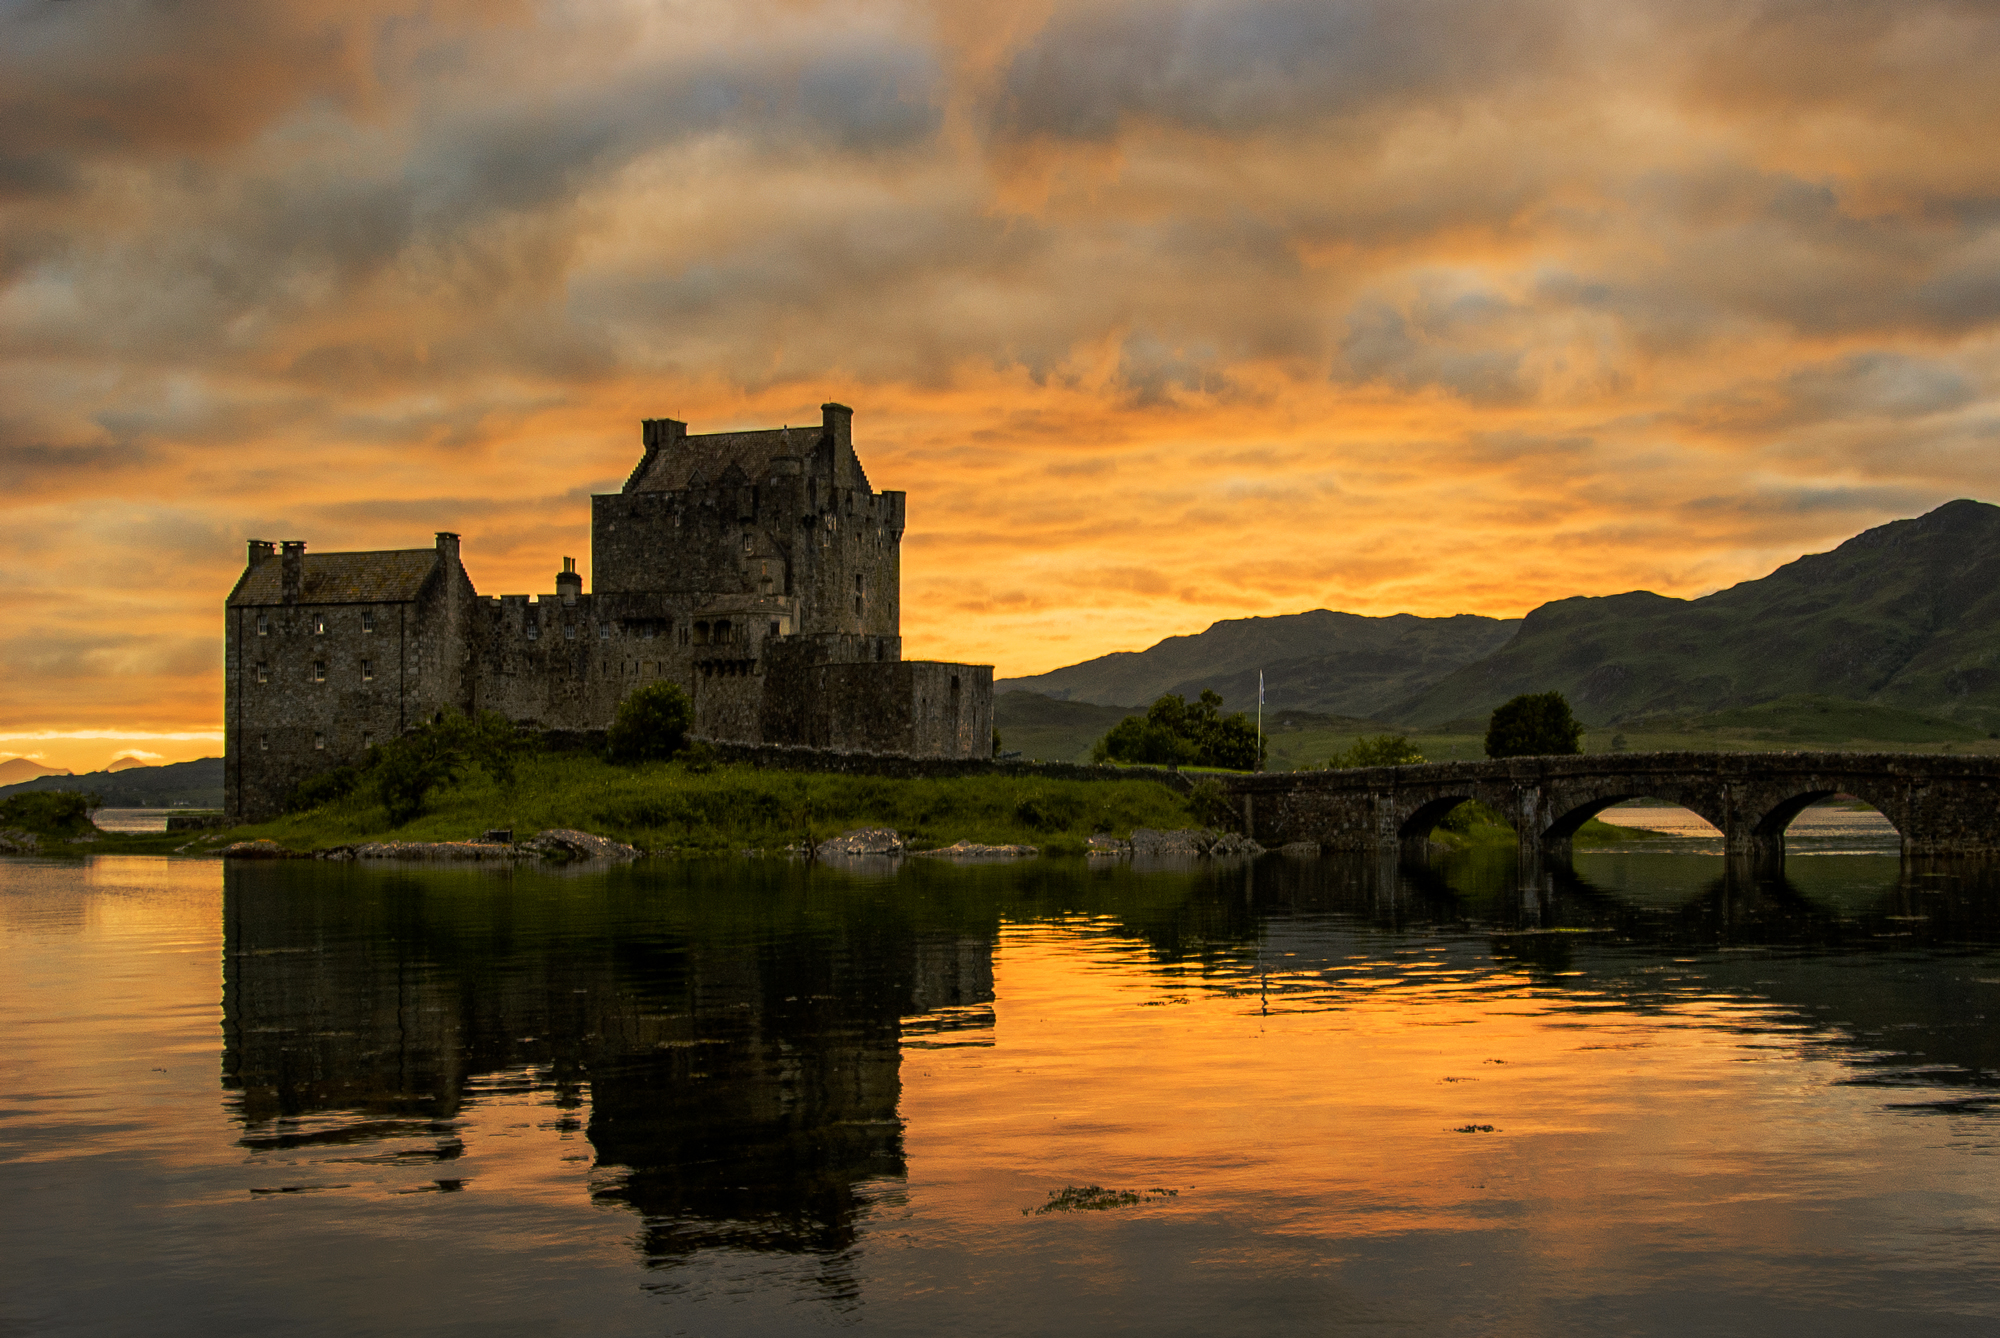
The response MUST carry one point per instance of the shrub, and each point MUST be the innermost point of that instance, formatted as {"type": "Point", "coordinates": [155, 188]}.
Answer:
{"type": "Point", "coordinates": [406, 770]}
{"type": "Point", "coordinates": [1212, 806]}
{"type": "Point", "coordinates": [1175, 732]}
{"type": "Point", "coordinates": [324, 788]}
{"type": "Point", "coordinates": [1471, 814]}
{"type": "Point", "coordinates": [1386, 750]}
{"type": "Point", "coordinates": [1536, 724]}
{"type": "Point", "coordinates": [50, 812]}
{"type": "Point", "coordinates": [652, 723]}
{"type": "Point", "coordinates": [699, 758]}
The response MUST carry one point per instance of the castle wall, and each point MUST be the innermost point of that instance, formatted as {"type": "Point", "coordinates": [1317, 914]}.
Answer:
{"type": "Point", "coordinates": [919, 708]}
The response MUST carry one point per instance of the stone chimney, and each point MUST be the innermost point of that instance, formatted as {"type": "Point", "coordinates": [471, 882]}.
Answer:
{"type": "Point", "coordinates": [261, 549]}
{"type": "Point", "coordinates": [657, 435]}
{"type": "Point", "coordinates": [448, 546]}
{"type": "Point", "coordinates": [568, 584]}
{"type": "Point", "coordinates": [292, 576]}
{"type": "Point", "coordinates": [839, 421]}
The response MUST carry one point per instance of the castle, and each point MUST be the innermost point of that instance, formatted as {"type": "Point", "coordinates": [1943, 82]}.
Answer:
{"type": "Point", "coordinates": [758, 570]}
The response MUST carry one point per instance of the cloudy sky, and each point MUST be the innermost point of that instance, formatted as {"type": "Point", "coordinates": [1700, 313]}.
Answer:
{"type": "Point", "coordinates": [1161, 311]}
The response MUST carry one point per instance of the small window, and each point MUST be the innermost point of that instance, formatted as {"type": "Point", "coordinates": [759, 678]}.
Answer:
{"type": "Point", "coordinates": [857, 606]}
{"type": "Point", "coordinates": [368, 671]}
{"type": "Point", "coordinates": [534, 631]}
{"type": "Point", "coordinates": [604, 631]}
{"type": "Point", "coordinates": [319, 741]}
{"type": "Point", "coordinates": [749, 544]}
{"type": "Point", "coordinates": [367, 738]}
{"type": "Point", "coordinates": [263, 672]}
{"type": "Point", "coordinates": [701, 634]}
{"type": "Point", "coordinates": [368, 621]}
{"type": "Point", "coordinates": [263, 625]}
{"type": "Point", "coordinates": [263, 743]}
{"type": "Point", "coordinates": [857, 582]}
{"type": "Point", "coordinates": [646, 633]}
{"type": "Point", "coordinates": [319, 671]}
{"type": "Point", "coordinates": [319, 627]}
{"type": "Point", "coordinates": [569, 631]}
{"type": "Point", "coordinates": [774, 627]}
{"type": "Point", "coordinates": [722, 633]}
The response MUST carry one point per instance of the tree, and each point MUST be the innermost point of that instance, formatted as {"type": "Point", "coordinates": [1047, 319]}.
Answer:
{"type": "Point", "coordinates": [435, 755]}
{"type": "Point", "coordinates": [1386, 750]}
{"type": "Point", "coordinates": [1175, 731]}
{"type": "Point", "coordinates": [1536, 724]}
{"type": "Point", "coordinates": [652, 723]}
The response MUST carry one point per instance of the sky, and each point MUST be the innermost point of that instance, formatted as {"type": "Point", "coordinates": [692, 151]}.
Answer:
{"type": "Point", "coordinates": [1161, 312]}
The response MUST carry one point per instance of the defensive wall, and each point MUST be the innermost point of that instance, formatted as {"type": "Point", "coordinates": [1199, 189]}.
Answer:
{"type": "Point", "coordinates": [1940, 805]}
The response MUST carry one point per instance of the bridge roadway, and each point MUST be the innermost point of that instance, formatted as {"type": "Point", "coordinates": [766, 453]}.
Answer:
{"type": "Point", "coordinates": [1940, 804]}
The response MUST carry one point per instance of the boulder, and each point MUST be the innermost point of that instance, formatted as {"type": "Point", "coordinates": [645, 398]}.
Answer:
{"type": "Point", "coordinates": [16, 842]}
{"type": "Point", "coordinates": [973, 850]}
{"type": "Point", "coordinates": [265, 849]}
{"type": "Point", "coordinates": [568, 843]}
{"type": "Point", "coordinates": [862, 841]}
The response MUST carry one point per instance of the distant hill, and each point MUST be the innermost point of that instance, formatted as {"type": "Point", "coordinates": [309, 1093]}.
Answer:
{"type": "Point", "coordinates": [127, 763]}
{"type": "Point", "coordinates": [1322, 661]}
{"type": "Point", "coordinates": [190, 784]}
{"type": "Point", "coordinates": [1906, 615]}
{"type": "Point", "coordinates": [1052, 731]}
{"type": "Point", "coordinates": [17, 769]}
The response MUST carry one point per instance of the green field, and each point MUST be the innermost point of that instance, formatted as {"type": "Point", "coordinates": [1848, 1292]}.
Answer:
{"type": "Point", "coordinates": [1302, 740]}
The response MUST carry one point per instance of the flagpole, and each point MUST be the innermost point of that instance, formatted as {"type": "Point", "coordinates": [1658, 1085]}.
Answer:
{"type": "Point", "coordinates": [1260, 720]}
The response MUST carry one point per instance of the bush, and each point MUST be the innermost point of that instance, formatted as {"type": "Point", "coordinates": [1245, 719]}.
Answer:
{"type": "Point", "coordinates": [1471, 814]}
{"type": "Point", "coordinates": [325, 788]}
{"type": "Point", "coordinates": [652, 723]}
{"type": "Point", "coordinates": [1536, 724]}
{"type": "Point", "coordinates": [1175, 732]}
{"type": "Point", "coordinates": [50, 812]}
{"type": "Point", "coordinates": [406, 770]}
{"type": "Point", "coordinates": [1212, 806]}
{"type": "Point", "coordinates": [1386, 750]}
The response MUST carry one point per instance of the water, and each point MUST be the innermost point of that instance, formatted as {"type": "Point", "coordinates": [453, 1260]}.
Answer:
{"type": "Point", "coordinates": [1315, 1096]}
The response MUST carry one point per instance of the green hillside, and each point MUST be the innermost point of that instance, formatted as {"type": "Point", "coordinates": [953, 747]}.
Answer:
{"type": "Point", "coordinates": [182, 784]}
{"type": "Point", "coordinates": [1904, 616]}
{"type": "Point", "coordinates": [1332, 663]}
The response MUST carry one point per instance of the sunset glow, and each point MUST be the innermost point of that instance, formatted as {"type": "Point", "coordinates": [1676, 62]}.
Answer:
{"type": "Point", "coordinates": [1160, 313]}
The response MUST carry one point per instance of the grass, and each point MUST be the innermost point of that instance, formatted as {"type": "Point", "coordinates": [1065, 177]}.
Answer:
{"type": "Point", "coordinates": [665, 805]}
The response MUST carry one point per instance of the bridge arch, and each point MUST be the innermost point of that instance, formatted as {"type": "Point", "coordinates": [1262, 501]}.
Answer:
{"type": "Point", "coordinates": [1570, 806]}
{"type": "Point", "coordinates": [1425, 817]}
{"type": "Point", "coordinates": [1771, 824]}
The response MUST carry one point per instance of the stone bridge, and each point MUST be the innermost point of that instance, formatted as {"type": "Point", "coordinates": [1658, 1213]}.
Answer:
{"type": "Point", "coordinates": [1941, 805]}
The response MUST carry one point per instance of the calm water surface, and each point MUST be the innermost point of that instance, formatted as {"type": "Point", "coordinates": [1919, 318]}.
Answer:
{"type": "Point", "coordinates": [1325, 1097]}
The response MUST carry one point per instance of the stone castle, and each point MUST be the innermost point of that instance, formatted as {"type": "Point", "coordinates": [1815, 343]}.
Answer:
{"type": "Point", "coordinates": [758, 570]}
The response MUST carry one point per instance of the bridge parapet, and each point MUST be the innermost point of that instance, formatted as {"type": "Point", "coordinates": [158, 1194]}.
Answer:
{"type": "Point", "coordinates": [1940, 805]}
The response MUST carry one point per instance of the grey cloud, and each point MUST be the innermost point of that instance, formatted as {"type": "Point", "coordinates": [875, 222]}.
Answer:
{"type": "Point", "coordinates": [1441, 344]}
{"type": "Point", "coordinates": [1236, 65]}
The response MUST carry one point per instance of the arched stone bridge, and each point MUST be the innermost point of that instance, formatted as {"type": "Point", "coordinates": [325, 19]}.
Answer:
{"type": "Point", "coordinates": [1941, 805]}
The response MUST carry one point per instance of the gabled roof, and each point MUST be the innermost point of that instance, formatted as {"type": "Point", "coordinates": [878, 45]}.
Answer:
{"type": "Point", "coordinates": [704, 461]}
{"type": "Point", "coordinates": [391, 576]}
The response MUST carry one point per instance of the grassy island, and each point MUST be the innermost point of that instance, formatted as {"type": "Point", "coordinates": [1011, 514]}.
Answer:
{"type": "Point", "coordinates": [692, 808]}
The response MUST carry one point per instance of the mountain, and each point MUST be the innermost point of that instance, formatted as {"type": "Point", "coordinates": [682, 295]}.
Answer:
{"type": "Point", "coordinates": [17, 769]}
{"type": "Point", "coordinates": [191, 784]}
{"type": "Point", "coordinates": [1337, 663]}
{"type": "Point", "coordinates": [1906, 615]}
{"type": "Point", "coordinates": [127, 763]}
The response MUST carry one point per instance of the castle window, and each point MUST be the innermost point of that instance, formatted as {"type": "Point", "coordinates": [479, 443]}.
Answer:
{"type": "Point", "coordinates": [722, 633]}
{"type": "Point", "coordinates": [646, 632]}
{"type": "Point", "coordinates": [857, 582]}
{"type": "Point", "coordinates": [534, 631]}
{"type": "Point", "coordinates": [368, 621]}
{"type": "Point", "coordinates": [263, 672]}
{"type": "Point", "coordinates": [367, 738]}
{"type": "Point", "coordinates": [857, 606]}
{"type": "Point", "coordinates": [319, 627]}
{"type": "Point", "coordinates": [319, 671]}
{"type": "Point", "coordinates": [319, 741]}
{"type": "Point", "coordinates": [263, 625]}
{"type": "Point", "coordinates": [701, 634]}
{"type": "Point", "coordinates": [368, 671]}
{"type": "Point", "coordinates": [263, 743]}
{"type": "Point", "coordinates": [569, 631]}
{"type": "Point", "coordinates": [774, 627]}
{"type": "Point", "coordinates": [749, 544]}
{"type": "Point", "coordinates": [604, 631]}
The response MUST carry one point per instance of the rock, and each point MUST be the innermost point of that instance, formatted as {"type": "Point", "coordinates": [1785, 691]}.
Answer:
{"type": "Point", "coordinates": [16, 842]}
{"type": "Point", "coordinates": [568, 843]}
{"type": "Point", "coordinates": [973, 850]}
{"type": "Point", "coordinates": [1300, 849]}
{"type": "Point", "coordinates": [498, 836]}
{"type": "Point", "coordinates": [1150, 844]}
{"type": "Point", "coordinates": [265, 849]}
{"type": "Point", "coordinates": [863, 841]}
{"type": "Point", "coordinates": [1232, 843]}
{"type": "Point", "coordinates": [1104, 844]}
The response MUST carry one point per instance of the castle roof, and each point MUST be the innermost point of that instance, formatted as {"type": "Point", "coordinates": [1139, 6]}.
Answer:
{"type": "Point", "coordinates": [388, 576]}
{"type": "Point", "coordinates": [707, 460]}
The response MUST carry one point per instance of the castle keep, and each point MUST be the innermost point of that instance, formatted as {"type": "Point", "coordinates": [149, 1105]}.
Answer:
{"type": "Point", "coordinates": [758, 570]}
